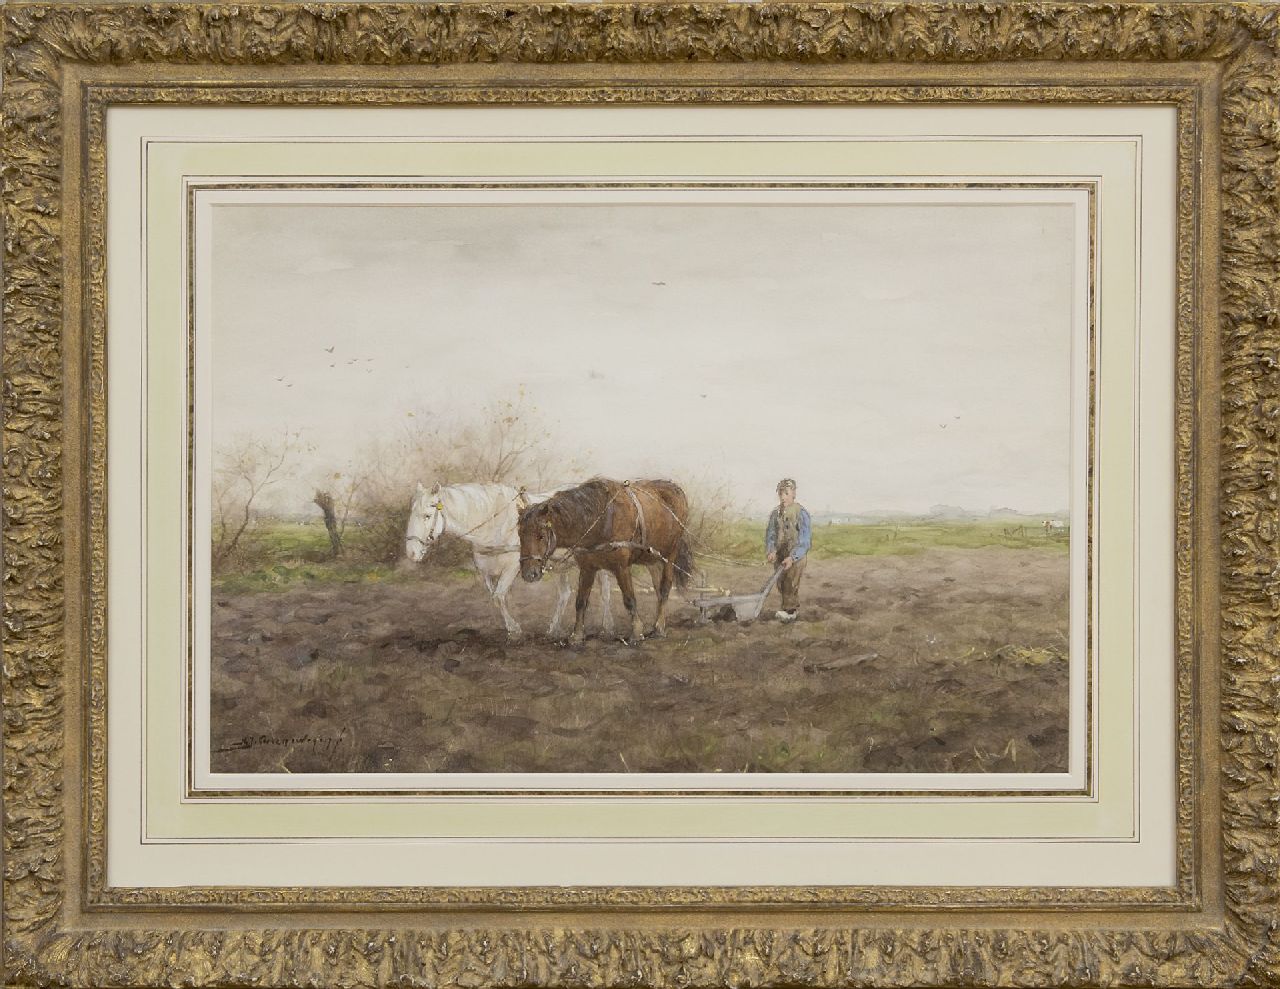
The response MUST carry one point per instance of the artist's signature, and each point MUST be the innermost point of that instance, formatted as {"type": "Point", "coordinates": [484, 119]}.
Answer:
{"type": "Point", "coordinates": [319, 743]}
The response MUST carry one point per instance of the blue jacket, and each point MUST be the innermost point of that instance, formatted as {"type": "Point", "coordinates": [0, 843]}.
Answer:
{"type": "Point", "coordinates": [804, 538]}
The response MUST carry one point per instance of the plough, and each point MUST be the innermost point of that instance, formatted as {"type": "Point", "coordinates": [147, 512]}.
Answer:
{"type": "Point", "coordinates": [746, 607]}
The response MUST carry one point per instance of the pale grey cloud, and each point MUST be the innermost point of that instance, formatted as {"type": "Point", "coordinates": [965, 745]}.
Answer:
{"type": "Point", "coordinates": [322, 266]}
{"type": "Point", "coordinates": [886, 356]}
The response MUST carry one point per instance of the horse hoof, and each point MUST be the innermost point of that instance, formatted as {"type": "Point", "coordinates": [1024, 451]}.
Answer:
{"type": "Point", "coordinates": [515, 636]}
{"type": "Point", "coordinates": [656, 633]}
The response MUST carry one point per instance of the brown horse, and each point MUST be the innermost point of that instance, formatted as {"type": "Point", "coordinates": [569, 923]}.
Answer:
{"type": "Point", "coordinates": [613, 526]}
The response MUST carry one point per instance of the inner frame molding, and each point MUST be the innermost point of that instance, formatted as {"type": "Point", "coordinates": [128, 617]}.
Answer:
{"type": "Point", "coordinates": [203, 783]}
{"type": "Point", "coordinates": [1215, 62]}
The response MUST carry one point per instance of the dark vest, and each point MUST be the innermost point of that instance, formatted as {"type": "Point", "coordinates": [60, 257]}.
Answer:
{"type": "Point", "coordinates": [788, 527]}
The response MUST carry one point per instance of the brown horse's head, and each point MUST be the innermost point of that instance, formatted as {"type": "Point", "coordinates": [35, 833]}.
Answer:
{"type": "Point", "coordinates": [537, 541]}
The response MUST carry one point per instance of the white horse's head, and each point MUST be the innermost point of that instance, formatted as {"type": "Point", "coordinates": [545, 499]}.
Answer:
{"type": "Point", "coordinates": [426, 523]}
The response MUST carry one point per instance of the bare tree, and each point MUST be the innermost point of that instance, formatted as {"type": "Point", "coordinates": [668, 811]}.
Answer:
{"type": "Point", "coordinates": [239, 479]}
{"type": "Point", "coordinates": [337, 510]}
{"type": "Point", "coordinates": [324, 499]}
{"type": "Point", "coordinates": [508, 443]}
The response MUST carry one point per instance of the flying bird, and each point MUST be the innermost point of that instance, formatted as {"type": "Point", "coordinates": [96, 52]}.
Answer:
{"type": "Point", "coordinates": [329, 350]}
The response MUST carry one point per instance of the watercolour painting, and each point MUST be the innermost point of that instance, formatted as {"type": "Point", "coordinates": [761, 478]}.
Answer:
{"type": "Point", "coordinates": [756, 480]}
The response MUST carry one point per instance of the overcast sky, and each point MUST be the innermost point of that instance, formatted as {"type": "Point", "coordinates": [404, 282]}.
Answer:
{"type": "Point", "coordinates": [886, 356]}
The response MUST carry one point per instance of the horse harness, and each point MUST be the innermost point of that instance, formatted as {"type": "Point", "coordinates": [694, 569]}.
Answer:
{"type": "Point", "coordinates": [427, 543]}
{"type": "Point", "coordinates": [642, 530]}
{"type": "Point", "coordinates": [521, 501]}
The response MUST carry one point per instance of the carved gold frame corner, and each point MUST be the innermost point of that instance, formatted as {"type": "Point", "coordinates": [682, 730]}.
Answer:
{"type": "Point", "coordinates": [1217, 63]}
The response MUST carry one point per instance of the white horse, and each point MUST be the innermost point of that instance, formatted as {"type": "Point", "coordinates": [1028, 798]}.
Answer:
{"type": "Point", "coordinates": [487, 516]}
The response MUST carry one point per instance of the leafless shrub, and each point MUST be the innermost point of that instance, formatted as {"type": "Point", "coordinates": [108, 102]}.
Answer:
{"type": "Point", "coordinates": [504, 443]}
{"type": "Point", "coordinates": [713, 510]}
{"type": "Point", "coordinates": [335, 502]}
{"type": "Point", "coordinates": [366, 502]}
{"type": "Point", "coordinates": [240, 477]}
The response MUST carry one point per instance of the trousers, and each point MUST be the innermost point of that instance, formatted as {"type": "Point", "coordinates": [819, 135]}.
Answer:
{"type": "Point", "coordinates": [789, 584]}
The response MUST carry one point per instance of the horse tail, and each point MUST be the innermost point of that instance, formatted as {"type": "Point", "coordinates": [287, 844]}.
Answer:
{"type": "Point", "coordinates": [683, 561]}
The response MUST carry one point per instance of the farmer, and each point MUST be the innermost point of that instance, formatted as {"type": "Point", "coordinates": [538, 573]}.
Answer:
{"type": "Point", "coordinates": [788, 538]}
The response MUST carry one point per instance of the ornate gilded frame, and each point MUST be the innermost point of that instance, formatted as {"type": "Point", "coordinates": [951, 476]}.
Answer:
{"type": "Point", "coordinates": [1218, 63]}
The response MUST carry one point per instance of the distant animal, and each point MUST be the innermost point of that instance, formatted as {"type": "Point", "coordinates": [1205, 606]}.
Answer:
{"type": "Point", "coordinates": [1053, 525]}
{"type": "Point", "coordinates": [485, 515]}
{"type": "Point", "coordinates": [612, 526]}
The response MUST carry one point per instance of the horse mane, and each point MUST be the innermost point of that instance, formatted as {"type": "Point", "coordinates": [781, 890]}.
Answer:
{"type": "Point", "coordinates": [472, 510]}
{"type": "Point", "coordinates": [534, 512]}
{"type": "Point", "coordinates": [574, 509]}
{"type": "Point", "coordinates": [543, 510]}
{"type": "Point", "coordinates": [476, 496]}
{"type": "Point", "coordinates": [582, 510]}
{"type": "Point", "coordinates": [587, 499]}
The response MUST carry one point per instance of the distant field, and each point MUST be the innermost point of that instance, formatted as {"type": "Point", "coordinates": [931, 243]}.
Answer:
{"type": "Point", "coordinates": [283, 554]}
{"type": "Point", "coordinates": [833, 541]}
{"type": "Point", "coordinates": [287, 553]}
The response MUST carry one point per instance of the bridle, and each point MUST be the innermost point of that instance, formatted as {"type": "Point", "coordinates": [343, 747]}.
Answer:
{"type": "Point", "coordinates": [430, 540]}
{"type": "Point", "coordinates": [545, 559]}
